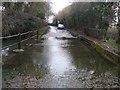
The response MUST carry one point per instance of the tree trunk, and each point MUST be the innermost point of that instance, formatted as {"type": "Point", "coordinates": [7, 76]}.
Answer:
{"type": "Point", "coordinates": [118, 27]}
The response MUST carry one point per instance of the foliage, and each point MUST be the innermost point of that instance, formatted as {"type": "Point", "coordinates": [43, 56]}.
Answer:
{"type": "Point", "coordinates": [112, 29]}
{"type": "Point", "coordinates": [21, 16]}
{"type": "Point", "coordinates": [113, 43]}
{"type": "Point", "coordinates": [85, 15]}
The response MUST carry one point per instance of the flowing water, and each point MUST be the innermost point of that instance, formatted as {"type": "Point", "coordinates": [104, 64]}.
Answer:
{"type": "Point", "coordinates": [59, 60]}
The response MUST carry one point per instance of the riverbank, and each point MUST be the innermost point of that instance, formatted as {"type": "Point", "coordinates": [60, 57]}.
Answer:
{"type": "Point", "coordinates": [106, 50]}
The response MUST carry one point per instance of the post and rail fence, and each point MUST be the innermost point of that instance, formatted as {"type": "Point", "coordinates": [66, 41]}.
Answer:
{"type": "Point", "coordinates": [19, 41]}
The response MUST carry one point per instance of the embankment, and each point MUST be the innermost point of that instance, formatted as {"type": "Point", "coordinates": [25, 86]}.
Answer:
{"type": "Point", "coordinates": [105, 52]}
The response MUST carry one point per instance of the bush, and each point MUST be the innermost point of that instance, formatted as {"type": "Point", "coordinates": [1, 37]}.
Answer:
{"type": "Point", "coordinates": [112, 29]}
{"type": "Point", "coordinates": [20, 22]}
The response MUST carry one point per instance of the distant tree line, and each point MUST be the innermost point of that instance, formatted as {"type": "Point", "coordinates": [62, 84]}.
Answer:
{"type": "Point", "coordinates": [18, 17]}
{"type": "Point", "coordinates": [89, 17]}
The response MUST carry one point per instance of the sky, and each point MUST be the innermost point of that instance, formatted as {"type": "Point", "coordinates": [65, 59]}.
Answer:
{"type": "Point", "coordinates": [58, 5]}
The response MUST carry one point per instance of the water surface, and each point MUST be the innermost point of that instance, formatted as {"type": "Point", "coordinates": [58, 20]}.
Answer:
{"type": "Point", "coordinates": [59, 60]}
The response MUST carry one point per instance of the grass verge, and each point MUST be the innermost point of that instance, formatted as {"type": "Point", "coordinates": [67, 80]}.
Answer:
{"type": "Point", "coordinates": [113, 43]}
{"type": "Point", "coordinates": [43, 31]}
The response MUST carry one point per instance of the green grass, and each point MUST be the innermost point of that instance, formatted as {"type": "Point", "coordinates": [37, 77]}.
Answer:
{"type": "Point", "coordinates": [112, 29]}
{"type": "Point", "coordinates": [43, 31]}
{"type": "Point", "coordinates": [113, 43]}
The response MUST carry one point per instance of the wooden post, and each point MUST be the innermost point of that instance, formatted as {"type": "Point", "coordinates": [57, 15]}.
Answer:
{"type": "Point", "coordinates": [19, 41]}
{"type": "Point", "coordinates": [37, 34]}
{"type": "Point", "coordinates": [18, 50]}
{"type": "Point", "coordinates": [28, 41]}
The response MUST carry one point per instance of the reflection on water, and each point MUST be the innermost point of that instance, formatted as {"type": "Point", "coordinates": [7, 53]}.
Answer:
{"type": "Point", "coordinates": [58, 58]}
{"type": "Point", "coordinates": [59, 63]}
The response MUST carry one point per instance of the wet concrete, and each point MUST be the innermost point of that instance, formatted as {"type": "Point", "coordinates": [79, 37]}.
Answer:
{"type": "Point", "coordinates": [59, 61]}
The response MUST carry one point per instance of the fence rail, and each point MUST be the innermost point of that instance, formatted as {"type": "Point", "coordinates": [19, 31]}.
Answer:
{"type": "Point", "coordinates": [19, 38]}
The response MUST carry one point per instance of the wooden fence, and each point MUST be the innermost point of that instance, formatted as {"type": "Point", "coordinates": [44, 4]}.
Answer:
{"type": "Point", "coordinates": [19, 40]}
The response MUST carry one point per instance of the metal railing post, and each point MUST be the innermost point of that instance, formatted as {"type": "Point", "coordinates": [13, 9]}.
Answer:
{"type": "Point", "coordinates": [19, 41]}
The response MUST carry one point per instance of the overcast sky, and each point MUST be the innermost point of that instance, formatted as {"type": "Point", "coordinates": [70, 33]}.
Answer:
{"type": "Point", "coordinates": [58, 5]}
